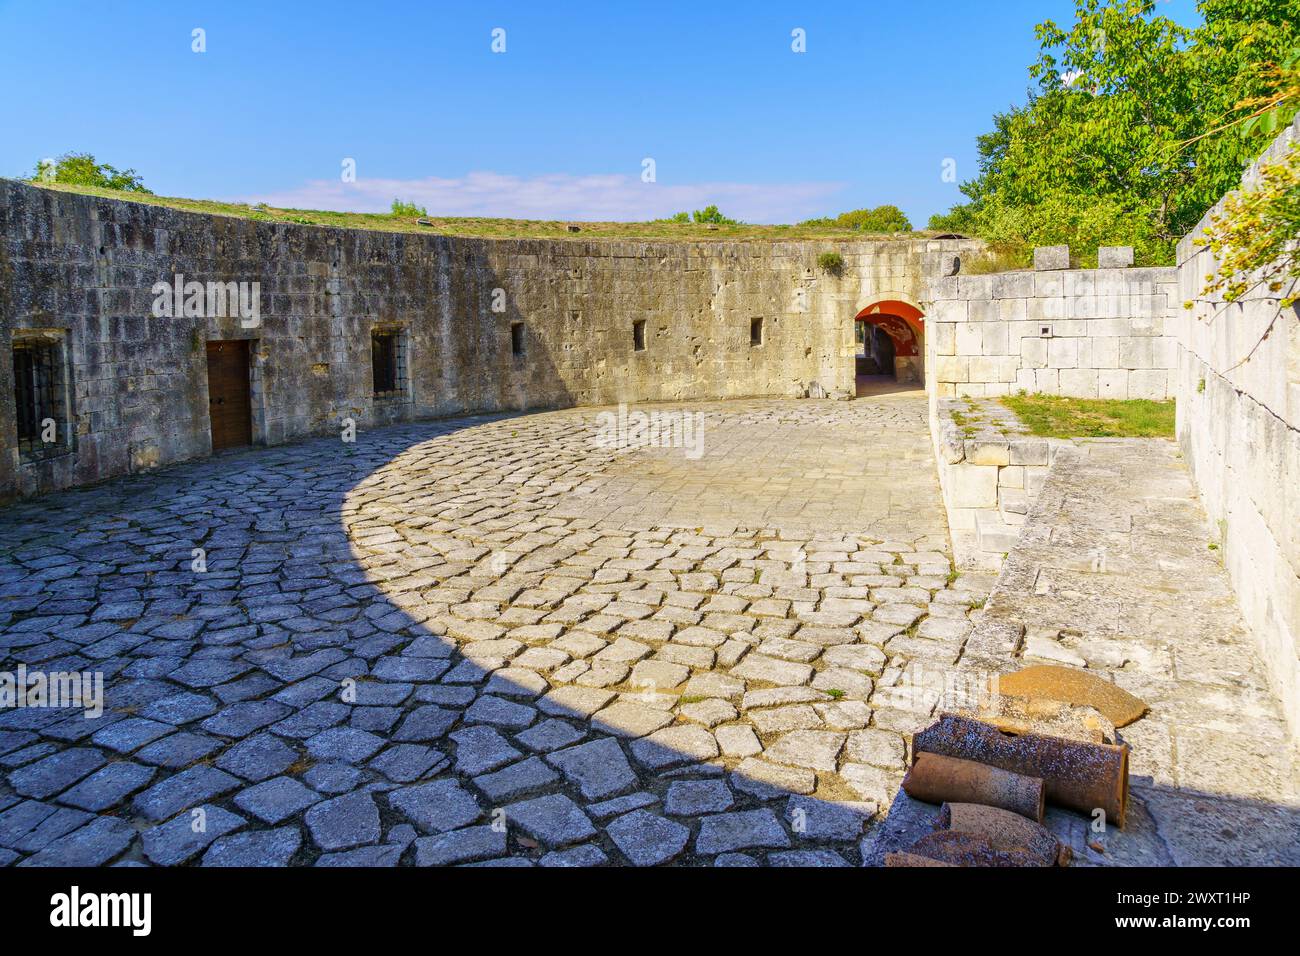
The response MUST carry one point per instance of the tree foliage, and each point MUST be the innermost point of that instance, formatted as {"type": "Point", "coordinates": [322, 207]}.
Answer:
{"type": "Point", "coordinates": [710, 214]}
{"type": "Point", "coordinates": [887, 218]}
{"type": "Point", "coordinates": [881, 219]}
{"type": "Point", "coordinates": [80, 169]}
{"type": "Point", "coordinates": [1254, 236]}
{"type": "Point", "coordinates": [407, 210]}
{"type": "Point", "coordinates": [1110, 148]}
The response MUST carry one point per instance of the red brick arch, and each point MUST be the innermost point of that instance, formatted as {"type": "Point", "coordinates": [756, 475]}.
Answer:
{"type": "Point", "coordinates": [902, 322]}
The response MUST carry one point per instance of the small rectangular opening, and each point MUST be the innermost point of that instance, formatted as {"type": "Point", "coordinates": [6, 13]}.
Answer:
{"type": "Point", "coordinates": [755, 332]}
{"type": "Point", "coordinates": [638, 335]}
{"type": "Point", "coordinates": [388, 363]}
{"type": "Point", "coordinates": [41, 397]}
{"type": "Point", "coordinates": [517, 344]}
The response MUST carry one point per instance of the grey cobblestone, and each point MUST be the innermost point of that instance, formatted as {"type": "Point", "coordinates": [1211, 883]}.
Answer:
{"type": "Point", "coordinates": [343, 822]}
{"type": "Point", "coordinates": [594, 643]}
{"type": "Point", "coordinates": [460, 846]}
{"type": "Point", "coordinates": [255, 848]}
{"type": "Point", "coordinates": [182, 838]}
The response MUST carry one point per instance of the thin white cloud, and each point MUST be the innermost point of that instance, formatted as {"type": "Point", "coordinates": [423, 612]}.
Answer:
{"type": "Point", "coordinates": [561, 196]}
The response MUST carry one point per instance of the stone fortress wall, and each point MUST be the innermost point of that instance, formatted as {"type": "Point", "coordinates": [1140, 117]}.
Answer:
{"type": "Point", "coordinates": [720, 320]}
{"type": "Point", "coordinates": [1081, 333]}
{"type": "Point", "coordinates": [1239, 428]}
{"type": "Point", "coordinates": [81, 269]}
{"type": "Point", "coordinates": [1119, 332]}
{"type": "Point", "coordinates": [1085, 333]}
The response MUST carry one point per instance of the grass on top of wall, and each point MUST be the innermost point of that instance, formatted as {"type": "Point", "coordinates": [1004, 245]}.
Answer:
{"type": "Point", "coordinates": [472, 227]}
{"type": "Point", "coordinates": [1051, 416]}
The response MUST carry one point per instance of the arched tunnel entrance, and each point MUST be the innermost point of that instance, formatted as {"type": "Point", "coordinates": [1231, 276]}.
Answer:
{"type": "Point", "coordinates": [890, 339]}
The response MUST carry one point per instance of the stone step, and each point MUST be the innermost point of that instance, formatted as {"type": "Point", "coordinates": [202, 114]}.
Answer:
{"type": "Point", "coordinates": [994, 533]}
{"type": "Point", "coordinates": [1014, 501]}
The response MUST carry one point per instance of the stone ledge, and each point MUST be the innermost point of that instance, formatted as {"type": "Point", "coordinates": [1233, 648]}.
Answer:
{"type": "Point", "coordinates": [990, 472]}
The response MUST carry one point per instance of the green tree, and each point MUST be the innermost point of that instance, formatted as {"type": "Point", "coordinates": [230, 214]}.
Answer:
{"type": "Point", "coordinates": [407, 209]}
{"type": "Point", "coordinates": [1100, 153]}
{"type": "Point", "coordinates": [881, 219]}
{"type": "Point", "coordinates": [80, 169]}
{"type": "Point", "coordinates": [710, 214]}
{"type": "Point", "coordinates": [1254, 236]}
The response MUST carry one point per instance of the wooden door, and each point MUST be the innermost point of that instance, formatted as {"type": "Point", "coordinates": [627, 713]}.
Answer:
{"type": "Point", "coordinates": [230, 407]}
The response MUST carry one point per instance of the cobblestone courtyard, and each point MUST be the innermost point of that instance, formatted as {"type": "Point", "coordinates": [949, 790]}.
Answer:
{"type": "Point", "coordinates": [487, 640]}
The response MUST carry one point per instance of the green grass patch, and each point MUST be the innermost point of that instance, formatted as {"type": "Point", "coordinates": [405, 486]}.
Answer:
{"type": "Point", "coordinates": [831, 262]}
{"type": "Point", "coordinates": [999, 258]}
{"type": "Point", "coordinates": [966, 422]}
{"type": "Point", "coordinates": [1052, 416]}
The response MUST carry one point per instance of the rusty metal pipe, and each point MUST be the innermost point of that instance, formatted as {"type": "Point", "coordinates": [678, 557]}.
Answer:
{"type": "Point", "coordinates": [1076, 774]}
{"type": "Point", "coordinates": [904, 858]}
{"type": "Point", "coordinates": [969, 849]}
{"type": "Point", "coordinates": [936, 778]}
{"type": "Point", "coordinates": [1004, 831]}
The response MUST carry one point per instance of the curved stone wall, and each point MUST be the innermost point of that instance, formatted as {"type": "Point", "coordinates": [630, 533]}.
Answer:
{"type": "Point", "coordinates": [84, 268]}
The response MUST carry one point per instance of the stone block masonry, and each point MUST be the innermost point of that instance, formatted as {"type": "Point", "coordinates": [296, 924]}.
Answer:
{"type": "Point", "coordinates": [478, 325]}
{"type": "Point", "coordinates": [1237, 370]}
{"type": "Point", "coordinates": [990, 471]}
{"type": "Point", "coordinates": [1096, 333]}
{"type": "Point", "coordinates": [1233, 369]}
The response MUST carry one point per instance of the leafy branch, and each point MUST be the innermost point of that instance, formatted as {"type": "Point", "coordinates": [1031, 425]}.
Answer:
{"type": "Point", "coordinates": [1254, 236]}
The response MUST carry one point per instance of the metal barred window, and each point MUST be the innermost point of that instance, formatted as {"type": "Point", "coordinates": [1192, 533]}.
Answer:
{"type": "Point", "coordinates": [388, 362]}
{"type": "Point", "coordinates": [40, 398]}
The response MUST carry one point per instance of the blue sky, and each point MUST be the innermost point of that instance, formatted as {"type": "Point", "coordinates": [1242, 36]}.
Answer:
{"type": "Point", "coordinates": [557, 126]}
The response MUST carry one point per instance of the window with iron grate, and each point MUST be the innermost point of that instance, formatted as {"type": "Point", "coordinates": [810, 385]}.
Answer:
{"type": "Point", "coordinates": [41, 395]}
{"type": "Point", "coordinates": [388, 363]}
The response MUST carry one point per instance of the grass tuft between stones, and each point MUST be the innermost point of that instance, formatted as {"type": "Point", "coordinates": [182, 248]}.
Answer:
{"type": "Point", "coordinates": [1052, 416]}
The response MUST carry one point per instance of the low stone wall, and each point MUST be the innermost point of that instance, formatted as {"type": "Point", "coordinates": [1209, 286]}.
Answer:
{"type": "Point", "coordinates": [990, 470]}
{"type": "Point", "coordinates": [1238, 389]}
{"type": "Point", "coordinates": [1234, 370]}
{"type": "Point", "coordinates": [720, 320]}
{"type": "Point", "coordinates": [1085, 333]}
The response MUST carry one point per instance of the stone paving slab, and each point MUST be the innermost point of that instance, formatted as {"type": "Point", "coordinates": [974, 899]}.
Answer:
{"type": "Point", "coordinates": [493, 641]}
{"type": "Point", "coordinates": [866, 466]}
{"type": "Point", "coordinates": [480, 641]}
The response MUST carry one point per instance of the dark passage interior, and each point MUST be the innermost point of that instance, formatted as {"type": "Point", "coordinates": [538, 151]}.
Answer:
{"type": "Point", "coordinates": [875, 350]}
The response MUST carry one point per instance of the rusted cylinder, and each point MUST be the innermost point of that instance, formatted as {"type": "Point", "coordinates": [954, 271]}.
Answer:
{"type": "Point", "coordinates": [969, 849]}
{"type": "Point", "coordinates": [935, 778]}
{"type": "Point", "coordinates": [1004, 831]}
{"type": "Point", "coordinates": [1076, 774]}
{"type": "Point", "coordinates": [903, 858]}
